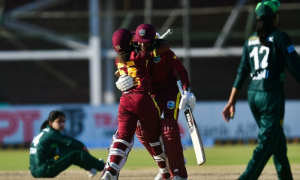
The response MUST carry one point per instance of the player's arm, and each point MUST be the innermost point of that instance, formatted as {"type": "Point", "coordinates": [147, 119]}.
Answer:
{"type": "Point", "coordinates": [124, 82]}
{"type": "Point", "coordinates": [243, 72]}
{"type": "Point", "coordinates": [66, 140]}
{"type": "Point", "coordinates": [179, 68]}
{"type": "Point", "coordinates": [229, 110]}
{"type": "Point", "coordinates": [187, 98]}
{"type": "Point", "coordinates": [243, 69]}
{"type": "Point", "coordinates": [291, 58]}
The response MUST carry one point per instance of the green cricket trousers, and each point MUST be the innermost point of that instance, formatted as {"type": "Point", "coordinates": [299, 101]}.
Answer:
{"type": "Point", "coordinates": [52, 167]}
{"type": "Point", "coordinates": [268, 111]}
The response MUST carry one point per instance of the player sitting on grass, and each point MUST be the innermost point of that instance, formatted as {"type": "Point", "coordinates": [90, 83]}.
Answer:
{"type": "Point", "coordinates": [52, 152]}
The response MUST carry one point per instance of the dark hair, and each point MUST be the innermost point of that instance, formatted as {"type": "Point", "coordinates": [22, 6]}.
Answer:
{"type": "Point", "coordinates": [52, 116]}
{"type": "Point", "coordinates": [124, 57]}
{"type": "Point", "coordinates": [44, 125]}
{"type": "Point", "coordinates": [263, 29]}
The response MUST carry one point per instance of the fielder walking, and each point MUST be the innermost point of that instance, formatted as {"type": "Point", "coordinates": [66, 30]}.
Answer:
{"type": "Point", "coordinates": [266, 54]}
{"type": "Point", "coordinates": [52, 152]}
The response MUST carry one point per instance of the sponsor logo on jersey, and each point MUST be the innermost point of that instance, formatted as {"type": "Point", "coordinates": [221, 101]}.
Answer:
{"type": "Point", "coordinates": [291, 48]}
{"type": "Point", "coordinates": [142, 32]}
{"type": "Point", "coordinates": [171, 104]}
{"type": "Point", "coordinates": [157, 59]}
{"type": "Point", "coordinates": [253, 38]}
{"type": "Point", "coordinates": [253, 42]}
{"type": "Point", "coordinates": [264, 74]}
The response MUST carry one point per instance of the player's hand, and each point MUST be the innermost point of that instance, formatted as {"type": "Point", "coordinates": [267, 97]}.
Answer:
{"type": "Point", "coordinates": [228, 112]}
{"type": "Point", "coordinates": [124, 82]}
{"type": "Point", "coordinates": [184, 100]}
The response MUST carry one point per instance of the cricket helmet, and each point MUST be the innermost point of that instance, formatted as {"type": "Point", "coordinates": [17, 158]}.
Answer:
{"type": "Point", "coordinates": [144, 33]}
{"type": "Point", "coordinates": [122, 40]}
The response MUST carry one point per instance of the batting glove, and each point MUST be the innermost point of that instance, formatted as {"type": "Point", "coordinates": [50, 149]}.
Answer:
{"type": "Point", "coordinates": [192, 101]}
{"type": "Point", "coordinates": [124, 82]}
{"type": "Point", "coordinates": [187, 99]}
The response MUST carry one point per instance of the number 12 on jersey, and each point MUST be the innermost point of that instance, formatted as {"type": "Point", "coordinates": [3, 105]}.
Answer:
{"type": "Point", "coordinates": [256, 54]}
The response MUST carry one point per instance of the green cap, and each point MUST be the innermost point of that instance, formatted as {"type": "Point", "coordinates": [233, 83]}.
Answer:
{"type": "Point", "coordinates": [266, 9]}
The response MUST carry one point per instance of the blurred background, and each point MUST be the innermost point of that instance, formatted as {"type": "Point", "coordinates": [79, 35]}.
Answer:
{"type": "Point", "coordinates": [57, 54]}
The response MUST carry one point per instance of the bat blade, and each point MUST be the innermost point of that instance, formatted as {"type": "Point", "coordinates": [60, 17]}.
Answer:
{"type": "Point", "coordinates": [194, 132]}
{"type": "Point", "coordinates": [195, 136]}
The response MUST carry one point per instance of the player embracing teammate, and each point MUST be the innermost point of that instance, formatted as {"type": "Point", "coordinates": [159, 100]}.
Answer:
{"type": "Point", "coordinates": [135, 104]}
{"type": "Point", "coordinates": [165, 91]}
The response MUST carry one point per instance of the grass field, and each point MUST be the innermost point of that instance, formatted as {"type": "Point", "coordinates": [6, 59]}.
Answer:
{"type": "Point", "coordinates": [230, 158]}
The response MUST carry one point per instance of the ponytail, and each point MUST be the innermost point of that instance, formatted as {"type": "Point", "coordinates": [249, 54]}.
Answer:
{"type": "Point", "coordinates": [263, 29]}
{"type": "Point", "coordinates": [44, 125]}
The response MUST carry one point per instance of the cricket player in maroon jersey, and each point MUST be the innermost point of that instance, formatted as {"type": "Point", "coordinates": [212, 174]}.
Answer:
{"type": "Point", "coordinates": [136, 104]}
{"type": "Point", "coordinates": [166, 93]}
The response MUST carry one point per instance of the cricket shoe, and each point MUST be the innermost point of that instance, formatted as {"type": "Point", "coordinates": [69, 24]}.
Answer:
{"type": "Point", "coordinates": [179, 178]}
{"type": "Point", "coordinates": [108, 176]}
{"type": "Point", "coordinates": [159, 177]}
{"type": "Point", "coordinates": [92, 172]}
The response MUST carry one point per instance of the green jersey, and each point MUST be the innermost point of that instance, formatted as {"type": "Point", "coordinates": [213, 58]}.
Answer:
{"type": "Point", "coordinates": [265, 64]}
{"type": "Point", "coordinates": [44, 146]}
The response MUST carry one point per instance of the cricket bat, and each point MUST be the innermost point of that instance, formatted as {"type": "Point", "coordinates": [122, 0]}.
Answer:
{"type": "Point", "coordinates": [194, 132]}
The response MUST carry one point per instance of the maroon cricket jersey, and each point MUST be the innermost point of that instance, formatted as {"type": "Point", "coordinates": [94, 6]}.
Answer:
{"type": "Point", "coordinates": [162, 72]}
{"type": "Point", "coordinates": [137, 67]}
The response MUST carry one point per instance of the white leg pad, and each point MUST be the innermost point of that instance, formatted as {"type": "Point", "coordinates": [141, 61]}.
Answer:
{"type": "Point", "coordinates": [114, 166]}
{"type": "Point", "coordinates": [160, 158]}
{"type": "Point", "coordinates": [163, 170]}
{"type": "Point", "coordinates": [118, 152]}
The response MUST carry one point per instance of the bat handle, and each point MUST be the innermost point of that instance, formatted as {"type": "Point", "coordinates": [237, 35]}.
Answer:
{"type": "Point", "coordinates": [170, 31]}
{"type": "Point", "coordinates": [181, 91]}
{"type": "Point", "coordinates": [180, 86]}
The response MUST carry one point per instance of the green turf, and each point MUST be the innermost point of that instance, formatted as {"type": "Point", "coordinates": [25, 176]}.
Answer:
{"type": "Point", "coordinates": [14, 160]}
